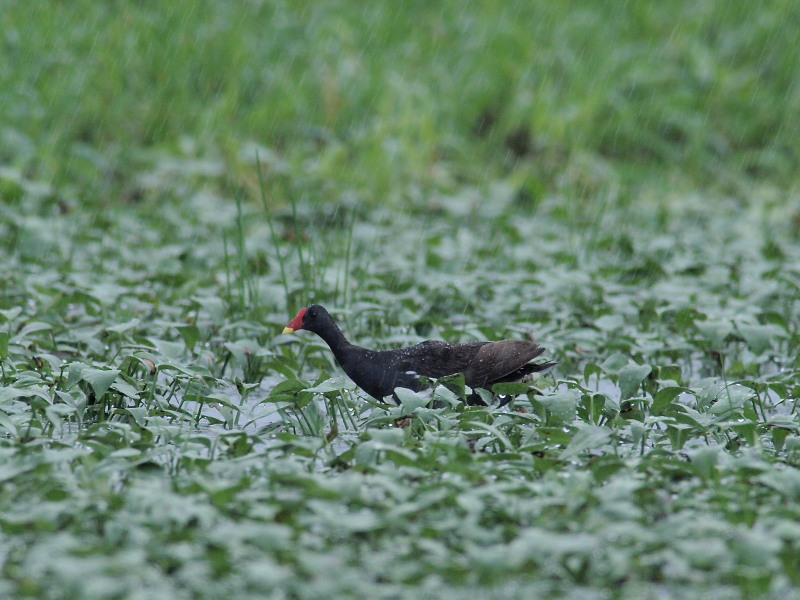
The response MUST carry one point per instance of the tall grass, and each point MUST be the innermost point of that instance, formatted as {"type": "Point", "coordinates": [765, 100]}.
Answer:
{"type": "Point", "coordinates": [383, 98]}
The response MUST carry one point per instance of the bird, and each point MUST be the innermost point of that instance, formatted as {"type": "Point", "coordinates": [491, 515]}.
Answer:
{"type": "Point", "coordinates": [379, 372]}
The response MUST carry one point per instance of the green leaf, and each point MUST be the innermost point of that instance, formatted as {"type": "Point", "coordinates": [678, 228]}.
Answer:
{"type": "Point", "coordinates": [55, 413]}
{"type": "Point", "coordinates": [715, 331]}
{"type": "Point", "coordinates": [591, 369]}
{"type": "Point", "coordinates": [190, 335]}
{"type": "Point", "coordinates": [100, 379]}
{"type": "Point", "coordinates": [171, 350]}
{"type": "Point", "coordinates": [11, 313]}
{"type": "Point", "coordinates": [126, 389]}
{"type": "Point", "coordinates": [334, 384]}
{"type": "Point", "coordinates": [614, 363]}
{"type": "Point", "coordinates": [495, 432]}
{"type": "Point", "coordinates": [290, 385]}
{"type": "Point", "coordinates": [664, 398]}
{"type": "Point", "coordinates": [704, 461]}
{"type": "Point", "coordinates": [587, 438]}
{"type": "Point", "coordinates": [410, 401]}
{"type": "Point", "coordinates": [10, 427]}
{"type": "Point", "coordinates": [562, 405]}
{"type": "Point", "coordinates": [123, 327]}
{"type": "Point", "coordinates": [731, 398]}
{"type": "Point", "coordinates": [759, 337]}
{"type": "Point", "coordinates": [511, 388]}
{"type": "Point", "coordinates": [630, 378]}
{"type": "Point", "coordinates": [139, 414]}
{"type": "Point", "coordinates": [609, 322]}
{"type": "Point", "coordinates": [239, 352]}
{"type": "Point", "coordinates": [670, 372]}
{"type": "Point", "coordinates": [454, 383]}
{"type": "Point", "coordinates": [444, 394]}
{"type": "Point", "coordinates": [32, 327]}
{"type": "Point", "coordinates": [75, 373]}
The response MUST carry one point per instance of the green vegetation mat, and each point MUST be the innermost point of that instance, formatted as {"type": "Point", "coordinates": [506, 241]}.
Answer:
{"type": "Point", "coordinates": [617, 179]}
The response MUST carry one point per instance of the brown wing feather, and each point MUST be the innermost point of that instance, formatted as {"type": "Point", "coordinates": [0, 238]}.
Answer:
{"type": "Point", "coordinates": [434, 359]}
{"type": "Point", "coordinates": [495, 360]}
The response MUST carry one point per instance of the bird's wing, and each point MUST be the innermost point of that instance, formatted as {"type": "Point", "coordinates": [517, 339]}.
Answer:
{"type": "Point", "coordinates": [434, 359]}
{"type": "Point", "coordinates": [495, 360]}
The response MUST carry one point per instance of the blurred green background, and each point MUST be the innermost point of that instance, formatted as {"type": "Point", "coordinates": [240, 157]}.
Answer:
{"type": "Point", "coordinates": [395, 101]}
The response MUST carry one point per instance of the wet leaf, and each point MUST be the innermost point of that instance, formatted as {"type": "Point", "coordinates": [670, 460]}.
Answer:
{"type": "Point", "coordinates": [587, 438]}
{"type": "Point", "coordinates": [562, 405]}
{"type": "Point", "coordinates": [630, 379]}
{"type": "Point", "coordinates": [100, 379]}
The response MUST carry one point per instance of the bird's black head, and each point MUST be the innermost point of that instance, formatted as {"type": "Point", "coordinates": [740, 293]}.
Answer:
{"type": "Point", "coordinates": [312, 318]}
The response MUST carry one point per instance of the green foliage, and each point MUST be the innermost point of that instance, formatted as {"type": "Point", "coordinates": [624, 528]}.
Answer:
{"type": "Point", "coordinates": [176, 180]}
{"type": "Point", "coordinates": [387, 102]}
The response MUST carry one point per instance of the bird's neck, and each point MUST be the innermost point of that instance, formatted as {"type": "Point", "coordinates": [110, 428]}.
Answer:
{"type": "Point", "coordinates": [335, 339]}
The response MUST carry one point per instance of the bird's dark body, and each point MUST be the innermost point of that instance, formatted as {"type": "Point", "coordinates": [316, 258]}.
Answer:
{"type": "Point", "coordinates": [379, 372]}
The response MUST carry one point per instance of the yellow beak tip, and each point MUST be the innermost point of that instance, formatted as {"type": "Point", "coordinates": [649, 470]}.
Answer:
{"type": "Point", "coordinates": [288, 330]}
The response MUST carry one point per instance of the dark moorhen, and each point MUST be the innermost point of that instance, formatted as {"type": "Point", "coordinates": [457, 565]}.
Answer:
{"type": "Point", "coordinates": [378, 372]}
